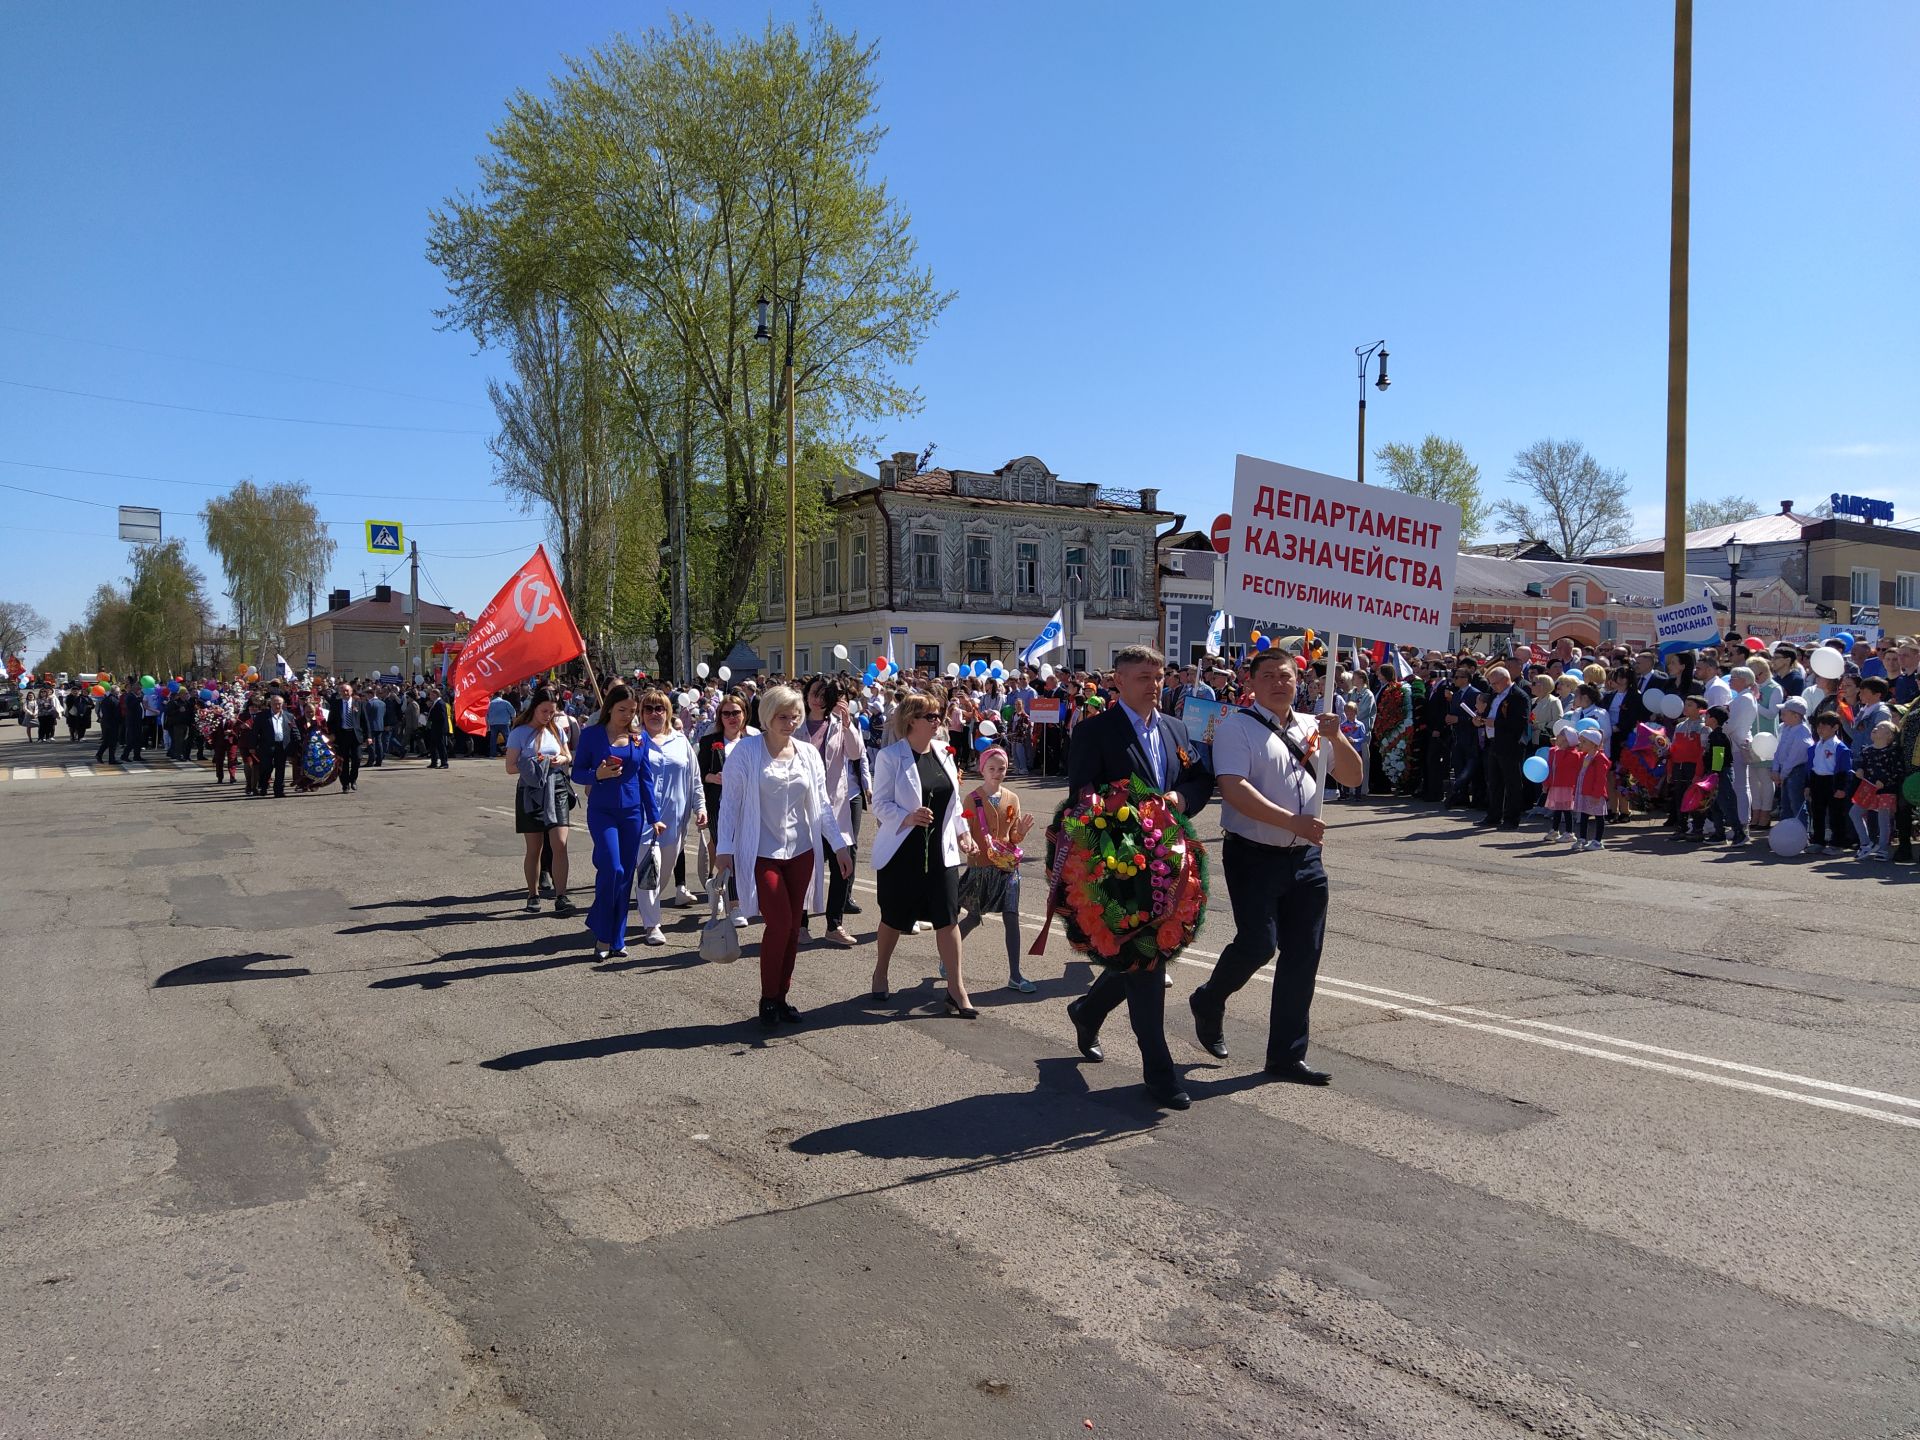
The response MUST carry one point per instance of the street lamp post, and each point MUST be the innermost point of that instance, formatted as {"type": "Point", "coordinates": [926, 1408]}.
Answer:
{"type": "Point", "coordinates": [1735, 552]}
{"type": "Point", "coordinates": [1366, 353]}
{"type": "Point", "coordinates": [762, 332]}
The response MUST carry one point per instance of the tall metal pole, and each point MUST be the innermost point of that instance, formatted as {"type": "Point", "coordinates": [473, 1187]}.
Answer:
{"type": "Point", "coordinates": [413, 609]}
{"type": "Point", "coordinates": [309, 617]}
{"type": "Point", "coordinates": [1360, 462]}
{"type": "Point", "coordinates": [1676, 547]}
{"type": "Point", "coordinates": [793, 613]}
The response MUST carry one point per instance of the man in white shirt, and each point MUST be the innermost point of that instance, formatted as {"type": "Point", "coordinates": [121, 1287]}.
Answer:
{"type": "Point", "coordinates": [1714, 688]}
{"type": "Point", "coordinates": [1741, 713]}
{"type": "Point", "coordinates": [1265, 773]}
{"type": "Point", "coordinates": [274, 738]}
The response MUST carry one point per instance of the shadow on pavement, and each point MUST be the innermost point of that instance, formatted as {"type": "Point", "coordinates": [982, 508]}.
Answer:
{"type": "Point", "coordinates": [569, 947]}
{"type": "Point", "coordinates": [745, 1031]}
{"type": "Point", "coordinates": [221, 969]}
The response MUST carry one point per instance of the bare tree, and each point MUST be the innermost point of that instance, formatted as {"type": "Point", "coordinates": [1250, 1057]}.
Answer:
{"type": "Point", "coordinates": [1579, 505]}
{"type": "Point", "coordinates": [20, 626]}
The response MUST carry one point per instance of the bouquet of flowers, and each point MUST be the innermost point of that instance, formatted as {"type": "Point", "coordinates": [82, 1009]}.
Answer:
{"type": "Point", "coordinates": [1132, 876]}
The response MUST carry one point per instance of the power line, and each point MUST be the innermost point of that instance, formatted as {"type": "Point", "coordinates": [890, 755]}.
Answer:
{"type": "Point", "coordinates": [483, 555]}
{"type": "Point", "coordinates": [237, 414]}
{"type": "Point", "coordinates": [218, 485]}
{"type": "Point", "coordinates": [245, 369]}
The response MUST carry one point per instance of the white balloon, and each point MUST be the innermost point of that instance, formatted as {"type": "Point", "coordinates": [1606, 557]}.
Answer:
{"type": "Point", "coordinates": [989, 727]}
{"type": "Point", "coordinates": [1787, 838]}
{"type": "Point", "coordinates": [1046, 671]}
{"type": "Point", "coordinates": [1828, 663]}
{"type": "Point", "coordinates": [702, 670]}
{"type": "Point", "coordinates": [953, 669]}
{"type": "Point", "coordinates": [725, 673]}
{"type": "Point", "coordinates": [1763, 746]}
{"type": "Point", "coordinates": [1672, 706]}
{"type": "Point", "coordinates": [839, 652]}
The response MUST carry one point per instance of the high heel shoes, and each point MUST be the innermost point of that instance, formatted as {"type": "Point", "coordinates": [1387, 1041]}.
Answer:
{"type": "Point", "coordinates": [954, 1007]}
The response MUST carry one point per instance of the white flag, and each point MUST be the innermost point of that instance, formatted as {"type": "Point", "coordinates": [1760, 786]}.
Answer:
{"type": "Point", "coordinates": [1216, 632]}
{"type": "Point", "coordinates": [281, 668]}
{"type": "Point", "coordinates": [1051, 637]}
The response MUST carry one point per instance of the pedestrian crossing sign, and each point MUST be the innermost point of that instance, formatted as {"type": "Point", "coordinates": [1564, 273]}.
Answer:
{"type": "Point", "coordinates": [384, 538]}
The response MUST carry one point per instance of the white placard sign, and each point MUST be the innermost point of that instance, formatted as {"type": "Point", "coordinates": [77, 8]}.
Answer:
{"type": "Point", "coordinates": [1341, 557]}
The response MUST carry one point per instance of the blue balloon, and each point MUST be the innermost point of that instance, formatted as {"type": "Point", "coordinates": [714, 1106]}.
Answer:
{"type": "Point", "coordinates": [1263, 643]}
{"type": "Point", "coordinates": [1845, 637]}
{"type": "Point", "coordinates": [1535, 769]}
{"type": "Point", "coordinates": [208, 696]}
{"type": "Point", "coordinates": [983, 742]}
{"type": "Point", "coordinates": [979, 667]}
{"type": "Point", "coordinates": [873, 671]}
{"type": "Point", "coordinates": [1544, 751]}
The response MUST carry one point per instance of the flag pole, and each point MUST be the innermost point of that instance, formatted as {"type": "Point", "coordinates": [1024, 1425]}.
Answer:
{"type": "Point", "coordinates": [1323, 753]}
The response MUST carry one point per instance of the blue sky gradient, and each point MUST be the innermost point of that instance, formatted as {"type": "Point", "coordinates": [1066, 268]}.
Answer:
{"type": "Point", "coordinates": [1167, 233]}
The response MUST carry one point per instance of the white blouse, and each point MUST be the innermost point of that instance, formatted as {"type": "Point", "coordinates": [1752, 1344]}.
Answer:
{"type": "Point", "coordinates": [784, 829]}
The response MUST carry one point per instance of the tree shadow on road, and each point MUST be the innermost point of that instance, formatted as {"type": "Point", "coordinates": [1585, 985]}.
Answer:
{"type": "Point", "coordinates": [447, 902]}
{"type": "Point", "coordinates": [549, 952]}
{"type": "Point", "coordinates": [746, 1031]}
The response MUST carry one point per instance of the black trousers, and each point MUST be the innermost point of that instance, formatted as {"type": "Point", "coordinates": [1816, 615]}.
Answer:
{"type": "Point", "coordinates": [1506, 787]}
{"type": "Point", "coordinates": [1279, 901]}
{"type": "Point", "coordinates": [109, 742]}
{"type": "Point", "coordinates": [1145, 992]}
{"type": "Point", "coordinates": [347, 746]}
{"type": "Point", "coordinates": [274, 762]}
{"type": "Point", "coordinates": [436, 746]}
{"type": "Point", "coordinates": [840, 887]}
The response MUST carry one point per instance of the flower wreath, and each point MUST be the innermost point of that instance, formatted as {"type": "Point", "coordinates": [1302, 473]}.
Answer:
{"type": "Point", "coordinates": [1132, 876]}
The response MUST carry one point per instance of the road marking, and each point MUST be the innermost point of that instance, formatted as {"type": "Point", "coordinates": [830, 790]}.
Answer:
{"type": "Point", "coordinates": [26, 772]}
{"type": "Point", "coordinates": [1458, 1015]}
{"type": "Point", "coordinates": [79, 772]}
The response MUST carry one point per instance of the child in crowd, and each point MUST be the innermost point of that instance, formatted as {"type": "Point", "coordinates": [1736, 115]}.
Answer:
{"type": "Point", "coordinates": [1563, 772]}
{"type": "Point", "coordinates": [1878, 766]}
{"type": "Point", "coordinates": [1717, 759]}
{"type": "Point", "coordinates": [1790, 761]}
{"type": "Point", "coordinates": [991, 880]}
{"type": "Point", "coordinates": [1830, 771]}
{"type": "Point", "coordinates": [1590, 788]}
{"type": "Point", "coordinates": [1356, 732]}
{"type": "Point", "coordinates": [1684, 755]}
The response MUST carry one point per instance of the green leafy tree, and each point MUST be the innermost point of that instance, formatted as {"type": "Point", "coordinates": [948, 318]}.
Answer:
{"type": "Point", "coordinates": [70, 652]}
{"type": "Point", "coordinates": [272, 546]}
{"type": "Point", "coordinates": [1438, 469]}
{"type": "Point", "coordinates": [167, 609]}
{"type": "Point", "coordinates": [106, 627]}
{"type": "Point", "coordinates": [1577, 504]}
{"type": "Point", "coordinates": [1706, 514]}
{"type": "Point", "coordinates": [660, 189]}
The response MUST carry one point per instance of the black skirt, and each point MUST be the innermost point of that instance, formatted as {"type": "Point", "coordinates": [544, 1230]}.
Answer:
{"type": "Point", "coordinates": [916, 884]}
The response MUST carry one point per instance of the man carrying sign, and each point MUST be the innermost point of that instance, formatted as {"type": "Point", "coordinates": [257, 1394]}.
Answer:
{"type": "Point", "coordinates": [1265, 770]}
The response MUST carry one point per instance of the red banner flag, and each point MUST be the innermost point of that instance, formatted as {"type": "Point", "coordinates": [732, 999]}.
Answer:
{"type": "Point", "coordinates": [525, 629]}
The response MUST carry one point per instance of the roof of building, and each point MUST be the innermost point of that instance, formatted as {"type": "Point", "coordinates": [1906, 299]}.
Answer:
{"type": "Point", "coordinates": [940, 483]}
{"type": "Point", "coordinates": [390, 612]}
{"type": "Point", "coordinates": [1758, 530]}
{"type": "Point", "coordinates": [1515, 550]}
{"type": "Point", "coordinates": [1489, 575]}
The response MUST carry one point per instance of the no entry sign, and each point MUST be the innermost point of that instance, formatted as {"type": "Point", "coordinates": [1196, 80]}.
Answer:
{"type": "Point", "coordinates": [1222, 532]}
{"type": "Point", "coordinates": [1347, 559]}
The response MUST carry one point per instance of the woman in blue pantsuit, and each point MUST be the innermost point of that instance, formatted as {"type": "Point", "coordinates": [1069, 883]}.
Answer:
{"type": "Point", "coordinates": [611, 759]}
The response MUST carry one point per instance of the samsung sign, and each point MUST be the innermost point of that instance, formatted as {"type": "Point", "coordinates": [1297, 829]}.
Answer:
{"type": "Point", "coordinates": [1862, 507]}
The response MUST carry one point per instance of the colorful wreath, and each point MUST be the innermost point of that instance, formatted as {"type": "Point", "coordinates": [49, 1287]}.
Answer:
{"type": "Point", "coordinates": [1393, 723]}
{"type": "Point", "coordinates": [1133, 876]}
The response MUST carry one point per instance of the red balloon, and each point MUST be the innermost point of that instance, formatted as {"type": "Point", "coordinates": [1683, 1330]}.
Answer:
{"type": "Point", "coordinates": [1755, 645]}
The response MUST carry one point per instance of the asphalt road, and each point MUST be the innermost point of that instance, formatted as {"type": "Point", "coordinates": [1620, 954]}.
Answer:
{"type": "Point", "coordinates": [310, 1132]}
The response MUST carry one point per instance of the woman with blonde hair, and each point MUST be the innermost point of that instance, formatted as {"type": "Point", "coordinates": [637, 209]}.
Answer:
{"type": "Point", "coordinates": [774, 812]}
{"type": "Point", "coordinates": [920, 840]}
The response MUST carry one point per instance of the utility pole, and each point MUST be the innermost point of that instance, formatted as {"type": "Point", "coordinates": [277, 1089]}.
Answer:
{"type": "Point", "coordinates": [413, 605]}
{"type": "Point", "coordinates": [309, 617]}
{"type": "Point", "coordinates": [1676, 547]}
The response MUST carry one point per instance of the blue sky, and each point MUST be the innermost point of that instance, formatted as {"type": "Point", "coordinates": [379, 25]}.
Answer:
{"type": "Point", "coordinates": [1167, 237]}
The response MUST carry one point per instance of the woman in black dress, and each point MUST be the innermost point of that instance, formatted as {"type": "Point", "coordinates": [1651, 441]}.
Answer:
{"type": "Point", "coordinates": [920, 841]}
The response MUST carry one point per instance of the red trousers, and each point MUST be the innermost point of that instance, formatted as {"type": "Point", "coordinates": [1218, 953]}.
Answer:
{"type": "Point", "coordinates": [782, 887]}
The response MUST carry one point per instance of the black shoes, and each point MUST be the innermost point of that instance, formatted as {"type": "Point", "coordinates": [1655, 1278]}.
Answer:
{"type": "Point", "coordinates": [954, 1007]}
{"type": "Point", "coordinates": [1209, 1029]}
{"type": "Point", "coordinates": [787, 1013]}
{"type": "Point", "coordinates": [1172, 1097]}
{"type": "Point", "coordinates": [1088, 1039]}
{"type": "Point", "coordinates": [769, 1013]}
{"type": "Point", "coordinates": [562, 905]}
{"type": "Point", "coordinates": [849, 908]}
{"type": "Point", "coordinates": [1298, 1072]}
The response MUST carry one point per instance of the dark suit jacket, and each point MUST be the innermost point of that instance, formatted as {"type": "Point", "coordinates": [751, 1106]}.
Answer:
{"type": "Point", "coordinates": [1511, 723]}
{"type": "Point", "coordinates": [361, 726]}
{"type": "Point", "coordinates": [263, 732]}
{"type": "Point", "coordinates": [1105, 749]}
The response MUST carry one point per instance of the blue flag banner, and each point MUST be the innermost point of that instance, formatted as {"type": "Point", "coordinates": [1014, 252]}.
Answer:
{"type": "Point", "coordinates": [1217, 633]}
{"type": "Point", "coordinates": [1051, 637]}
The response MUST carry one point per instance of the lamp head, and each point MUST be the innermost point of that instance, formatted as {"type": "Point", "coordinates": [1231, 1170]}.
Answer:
{"type": "Point", "coordinates": [1382, 382]}
{"type": "Point", "coordinates": [1734, 552]}
{"type": "Point", "coordinates": [760, 330]}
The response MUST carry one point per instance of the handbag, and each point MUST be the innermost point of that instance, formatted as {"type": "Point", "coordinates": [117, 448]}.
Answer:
{"type": "Point", "coordinates": [719, 938]}
{"type": "Point", "coordinates": [648, 877]}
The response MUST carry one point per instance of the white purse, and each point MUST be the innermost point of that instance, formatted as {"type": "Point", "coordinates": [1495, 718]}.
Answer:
{"type": "Point", "coordinates": [719, 938]}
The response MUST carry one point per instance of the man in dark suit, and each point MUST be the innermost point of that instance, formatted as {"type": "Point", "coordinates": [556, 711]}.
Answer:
{"type": "Point", "coordinates": [1134, 738]}
{"type": "Point", "coordinates": [347, 720]}
{"type": "Point", "coordinates": [275, 737]}
{"type": "Point", "coordinates": [439, 725]}
{"type": "Point", "coordinates": [1505, 724]}
{"type": "Point", "coordinates": [376, 727]}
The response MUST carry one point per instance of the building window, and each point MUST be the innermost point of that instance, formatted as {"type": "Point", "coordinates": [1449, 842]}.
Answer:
{"type": "Point", "coordinates": [1076, 572]}
{"type": "Point", "coordinates": [1026, 568]}
{"type": "Point", "coordinates": [979, 565]}
{"type": "Point", "coordinates": [927, 658]}
{"type": "Point", "coordinates": [1577, 597]}
{"type": "Point", "coordinates": [774, 657]}
{"type": "Point", "coordinates": [857, 561]}
{"type": "Point", "coordinates": [1864, 589]}
{"type": "Point", "coordinates": [858, 661]}
{"type": "Point", "coordinates": [1120, 574]}
{"type": "Point", "coordinates": [805, 652]}
{"type": "Point", "coordinates": [776, 582]}
{"type": "Point", "coordinates": [1906, 590]}
{"type": "Point", "coordinates": [829, 567]}
{"type": "Point", "coordinates": [926, 561]}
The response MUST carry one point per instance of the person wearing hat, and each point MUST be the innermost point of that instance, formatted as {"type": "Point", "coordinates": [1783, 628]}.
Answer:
{"type": "Point", "coordinates": [1789, 765]}
{"type": "Point", "coordinates": [1829, 785]}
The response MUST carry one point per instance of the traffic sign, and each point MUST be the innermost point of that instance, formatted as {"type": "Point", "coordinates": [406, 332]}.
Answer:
{"type": "Point", "coordinates": [1222, 532]}
{"type": "Point", "coordinates": [313, 661]}
{"type": "Point", "coordinates": [384, 537]}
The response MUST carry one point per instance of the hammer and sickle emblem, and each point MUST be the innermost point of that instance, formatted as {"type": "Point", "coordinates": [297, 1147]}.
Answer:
{"type": "Point", "coordinates": [528, 596]}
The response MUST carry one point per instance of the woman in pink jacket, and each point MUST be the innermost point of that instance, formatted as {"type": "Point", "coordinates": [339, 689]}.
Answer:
{"type": "Point", "coordinates": [831, 729]}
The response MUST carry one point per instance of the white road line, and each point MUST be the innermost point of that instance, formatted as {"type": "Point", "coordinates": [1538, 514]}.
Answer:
{"type": "Point", "coordinates": [1457, 1015]}
{"type": "Point", "coordinates": [79, 772]}
{"type": "Point", "coordinates": [27, 772]}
